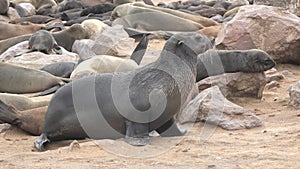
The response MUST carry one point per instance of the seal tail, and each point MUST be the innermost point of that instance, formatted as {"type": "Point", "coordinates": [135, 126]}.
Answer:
{"type": "Point", "coordinates": [140, 50]}
{"type": "Point", "coordinates": [9, 114]}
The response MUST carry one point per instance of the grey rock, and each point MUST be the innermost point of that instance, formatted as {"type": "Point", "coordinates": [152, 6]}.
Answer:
{"type": "Point", "coordinates": [237, 84]}
{"type": "Point", "coordinates": [294, 92]}
{"type": "Point", "coordinates": [212, 107]}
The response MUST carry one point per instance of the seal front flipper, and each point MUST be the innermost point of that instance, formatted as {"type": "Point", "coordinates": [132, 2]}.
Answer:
{"type": "Point", "coordinates": [140, 50]}
{"type": "Point", "coordinates": [137, 134]}
{"type": "Point", "coordinates": [170, 129]}
{"type": "Point", "coordinates": [41, 142]}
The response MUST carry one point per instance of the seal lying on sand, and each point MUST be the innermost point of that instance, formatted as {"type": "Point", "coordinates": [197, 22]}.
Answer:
{"type": "Point", "coordinates": [215, 62]}
{"type": "Point", "coordinates": [132, 104]}
{"type": "Point", "coordinates": [17, 79]}
{"type": "Point", "coordinates": [30, 120]}
{"type": "Point", "coordinates": [21, 102]}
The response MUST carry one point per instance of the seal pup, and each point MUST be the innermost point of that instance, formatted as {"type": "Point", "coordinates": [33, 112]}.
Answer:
{"type": "Point", "coordinates": [215, 62]}
{"type": "Point", "coordinates": [17, 79]}
{"type": "Point", "coordinates": [42, 41]}
{"type": "Point", "coordinates": [168, 81]}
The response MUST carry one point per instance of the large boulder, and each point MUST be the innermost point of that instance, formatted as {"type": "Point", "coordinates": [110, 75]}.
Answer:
{"type": "Point", "coordinates": [236, 84]}
{"type": "Point", "coordinates": [294, 92]}
{"type": "Point", "coordinates": [268, 28]}
{"type": "Point", "coordinates": [292, 5]}
{"type": "Point", "coordinates": [212, 107]}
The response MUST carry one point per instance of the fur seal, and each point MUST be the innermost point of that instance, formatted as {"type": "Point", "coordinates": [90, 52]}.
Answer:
{"type": "Point", "coordinates": [196, 18]}
{"type": "Point", "coordinates": [231, 61]}
{"type": "Point", "coordinates": [117, 120]}
{"type": "Point", "coordinates": [132, 16]}
{"type": "Point", "coordinates": [42, 41]}
{"type": "Point", "coordinates": [7, 43]}
{"type": "Point", "coordinates": [17, 79]}
{"type": "Point", "coordinates": [102, 64]}
{"type": "Point", "coordinates": [98, 9]}
{"type": "Point", "coordinates": [31, 120]}
{"type": "Point", "coordinates": [60, 69]}
{"type": "Point", "coordinates": [66, 38]}
{"type": "Point", "coordinates": [8, 30]}
{"type": "Point", "coordinates": [22, 102]}
{"type": "Point", "coordinates": [4, 5]}
{"type": "Point", "coordinates": [37, 19]}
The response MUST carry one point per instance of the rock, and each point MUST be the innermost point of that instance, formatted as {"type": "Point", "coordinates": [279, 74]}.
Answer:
{"type": "Point", "coordinates": [4, 127]}
{"type": "Point", "coordinates": [114, 41]}
{"type": "Point", "coordinates": [291, 5]}
{"type": "Point", "coordinates": [27, 9]}
{"type": "Point", "coordinates": [12, 14]}
{"type": "Point", "coordinates": [294, 92]}
{"type": "Point", "coordinates": [74, 146]}
{"type": "Point", "coordinates": [212, 107]}
{"type": "Point", "coordinates": [287, 73]}
{"type": "Point", "coordinates": [274, 77]}
{"type": "Point", "coordinates": [272, 85]}
{"type": "Point", "coordinates": [254, 26]}
{"type": "Point", "coordinates": [217, 18]}
{"type": "Point", "coordinates": [236, 84]}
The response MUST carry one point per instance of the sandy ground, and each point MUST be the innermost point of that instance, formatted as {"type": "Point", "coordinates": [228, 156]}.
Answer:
{"type": "Point", "coordinates": [274, 145]}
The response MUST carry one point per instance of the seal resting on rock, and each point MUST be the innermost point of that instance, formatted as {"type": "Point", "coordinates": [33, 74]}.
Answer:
{"type": "Point", "coordinates": [215, 62]}
{"type": "Point", "coordinates": [43, 41]}
{"type": "Point", "coordinates": [130, 104]}
{"type": "Point", "coordinates": [17, 79]}
{"type": "Point", "coordinates": [60, 69]}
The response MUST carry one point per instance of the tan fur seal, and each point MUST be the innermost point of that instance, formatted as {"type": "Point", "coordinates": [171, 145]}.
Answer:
{"type": "Point", "coordinates": [31, 120]}
{"type": "Point", "coordinates": [67, 37]}
{"type": "Point", "coordinates": [22, 102]}
{"type": "Point", "coordinates": [151, 20]}
{"type": "Point", "coordinates": [7, 43]}
{"type": "Point", "coordinates": [17, 79]}
{"type": "Point", "coordinates": [11, 30]}
{"type": "Point", "coordinates": [198, 19]}
{"type": "Point", "coordinates": [102, 64]}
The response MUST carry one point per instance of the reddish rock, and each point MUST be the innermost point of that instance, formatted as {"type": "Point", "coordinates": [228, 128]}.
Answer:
{"type": "Point", "coordinates": [268, 28]}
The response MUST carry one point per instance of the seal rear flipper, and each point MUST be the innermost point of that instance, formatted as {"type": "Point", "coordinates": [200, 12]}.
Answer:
{"type": "Point", "coordinates": [140, 50]}
{"type": "Point", "coordinates": [41, 142]}
{"type": "Point", "coordinates": [48, 91]}
{"type": "Point", "coordinates": [170, 129]}
{"type": "Point", "coordinates": [137, 134]}
{"type": "Point", "coordinates": [9, 114]}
